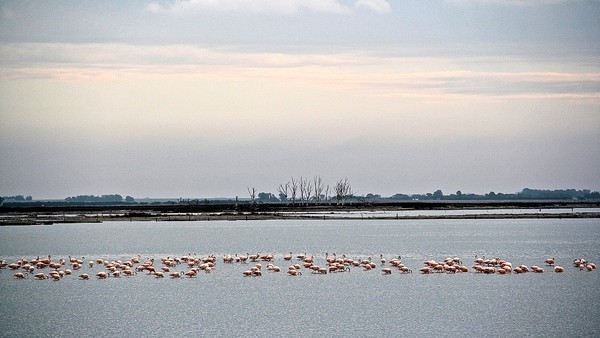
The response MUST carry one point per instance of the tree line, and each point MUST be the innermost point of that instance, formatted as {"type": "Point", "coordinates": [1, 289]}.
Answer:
{"type": "Point", "coordinates": [102, 199]}
{"type": "Point", "coordinates": [525, 194]}
{"type": "Point", "coordinates": [304, 191]}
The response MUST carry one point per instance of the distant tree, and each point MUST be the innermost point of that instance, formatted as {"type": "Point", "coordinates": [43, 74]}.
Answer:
{"type": "Point", "coordinates": [112, 198]}
{"type": "Point", "coordinates": [129, 199]}
{"type": "Point", "coordinates": [252, 193]}
{"type": "Point", "coordinates": [92, 198]}
{"type": "Point", "coordinates": [318, 188]}
{"type": "Point", "coordinates": [458, 193]}
{"type": "Point", "coordinates": [343, 191]}
{"type": "Point", "coordinates": [309, 190]}
{"type": "Point", "coordinates": [17, 198]}
{"type": "Point", "coordinates": [303, 182]}
{"type": "Point", "coordinates": [400, 197]}
{"type": "Point", "coordinates": [438, 194]}
{"type": "Point", "coordinates": [266, 197]}
{"type": "Point", "coordinates": [293, 189]}
{"type": "Point", "coordinates": [372, 198]}
{"type": "Point", "coordinates": [283, 192]}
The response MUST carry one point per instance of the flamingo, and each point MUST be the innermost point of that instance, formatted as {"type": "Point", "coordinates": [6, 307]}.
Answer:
{"type": "Point", "coordinates": [549, 261]}
{"type": "Point", "coordinates": [102, 275]}
{"type": "Point", "coordinates": [40, 276]}
{"type": "Point", "coordinates": [84, 276]}
{"type": "Point", "coordinates": [425, 270]}
{"type": "Point", "coordinates": [489, 270]}
{"type": "Point", "coordinates": [405, 269]}
{"type": "Point", "coordinates": [255, 257]}
{"type": "Point", "coordinates": [294, 272]}
{"type": "Point", "coordinates": [386, 271]}
{"type": "Point", "coordinates": [537, 269]}
{"type": "Point", "coordinates": [559, 268]}
{"type": "Point", "coordinates": [191, 273]}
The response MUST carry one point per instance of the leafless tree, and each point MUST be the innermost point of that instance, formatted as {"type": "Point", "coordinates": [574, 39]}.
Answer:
{"type": "Point", "coordinates": [343, 190]}
{"type": "Point", "coordinates": [252, 193]}
{"type": "Point", "coordinates": [327, 189]}
{"type": "Point", "coordinates": [293, 189]}
{"type": "Point", "coordinates": [283, 191]}
{"type": "Point", "coordinates": [309, 190]}
{"type": "Point", "coordinates": [318, 186]}
{"type": "Point", "coordinates": [304, 185]}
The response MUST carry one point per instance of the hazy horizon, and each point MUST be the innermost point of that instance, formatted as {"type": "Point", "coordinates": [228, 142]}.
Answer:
{"type": "Point", "coordinates": [206, 98]}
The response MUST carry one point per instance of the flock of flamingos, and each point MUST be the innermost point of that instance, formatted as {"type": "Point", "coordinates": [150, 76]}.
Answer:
{"type": "Point", "coordinates": [190, 266]}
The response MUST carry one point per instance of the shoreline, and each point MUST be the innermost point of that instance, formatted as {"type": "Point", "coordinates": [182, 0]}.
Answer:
{"type": "Point", "coordinates": [49, 219]}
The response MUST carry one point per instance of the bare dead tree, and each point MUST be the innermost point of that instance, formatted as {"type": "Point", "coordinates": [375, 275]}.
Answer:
{"type": "Point", "coordinates": [339, 191]}
{"type": "Point", "coordinates": [303, 195]}
{"type": "Point", "coordinates": [318, 186]}
{"type": "Point", "coordinates": [309, 190]}
{"type": "Point", "coordinates": [327, 193]}
{"type": "Point", "coordinates": [348, 191]}
{"type": "Point", "coordinates": [293, 190]}
{"type": "Point", "coordinates": [343, 191]}
{"type": "Point", "coordinates": [252, 193]}
{"type": "Point", "coordinates": [283, 191]}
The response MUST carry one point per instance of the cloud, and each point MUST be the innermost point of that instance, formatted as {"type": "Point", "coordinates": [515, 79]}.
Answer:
{"type": "Point", "coordinates": [377, 6]}
{"type": "Point", "coordinates": [372, 75]}
{"type": "Point", "coordinates": [510, 2]}
{"type": "Point", "coordinates": [278, 7]}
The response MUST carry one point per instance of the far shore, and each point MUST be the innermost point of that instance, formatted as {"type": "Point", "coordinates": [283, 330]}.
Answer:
{"type": "Point", "coordinates": [161, 213]}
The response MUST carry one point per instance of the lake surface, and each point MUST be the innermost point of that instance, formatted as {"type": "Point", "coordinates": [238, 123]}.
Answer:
{"type": "Point", "coordinates": [350, 304]}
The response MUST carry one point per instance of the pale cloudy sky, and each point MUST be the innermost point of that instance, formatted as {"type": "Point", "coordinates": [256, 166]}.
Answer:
{"type": "Point", "coordinates": [204, 98]}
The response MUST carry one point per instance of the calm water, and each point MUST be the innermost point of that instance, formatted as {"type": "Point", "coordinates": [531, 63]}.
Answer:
{"type": "Point", "coordinates": [357, 303]}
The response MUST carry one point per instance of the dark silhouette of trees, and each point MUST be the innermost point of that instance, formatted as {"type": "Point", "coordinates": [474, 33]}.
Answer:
{"type": "Point", "coordinates": [252, 193]}
{"type": "Point", "coordinates": [115, 198]}
{"type": "Point", "coordinates": [318, 188]}
{"type": "Point", "coordinates": [343, 191]}
{"type": "Point", "coordinates": [283, 192]}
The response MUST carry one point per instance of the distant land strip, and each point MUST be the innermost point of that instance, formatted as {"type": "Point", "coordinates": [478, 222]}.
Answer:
{"type": "Point", "coordinates": [40, 215]}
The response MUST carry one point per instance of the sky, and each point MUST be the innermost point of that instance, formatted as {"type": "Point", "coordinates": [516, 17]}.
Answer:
{"type": "Point", "coordinates": [206, 98]}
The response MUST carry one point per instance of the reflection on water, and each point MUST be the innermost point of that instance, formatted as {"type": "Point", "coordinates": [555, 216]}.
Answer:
{"type": "Point", "coordinates": [357, 303]}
